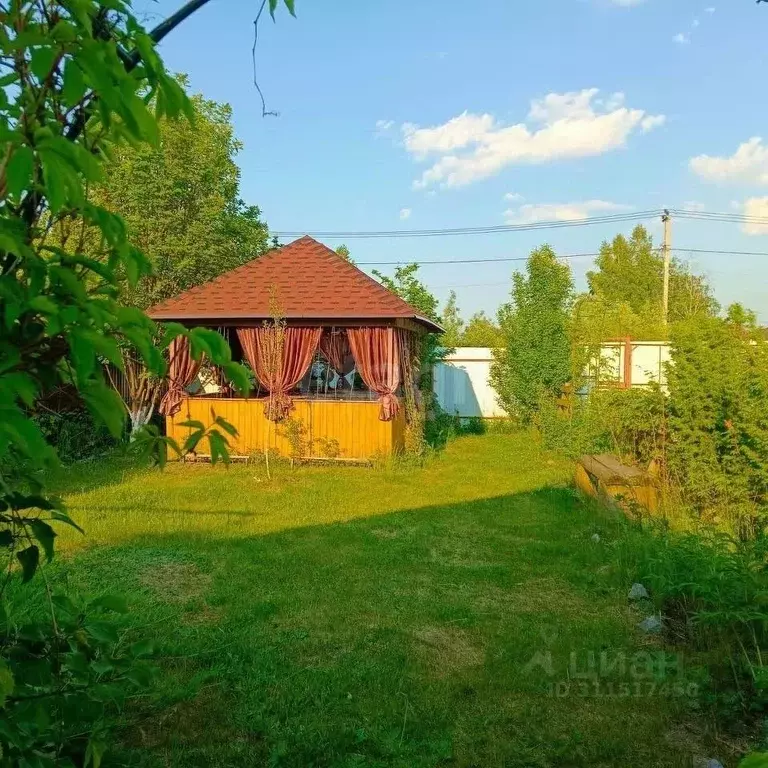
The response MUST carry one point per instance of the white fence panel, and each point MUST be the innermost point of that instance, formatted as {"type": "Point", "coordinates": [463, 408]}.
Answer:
{"type": "Point", "coordinates": [462, 384]}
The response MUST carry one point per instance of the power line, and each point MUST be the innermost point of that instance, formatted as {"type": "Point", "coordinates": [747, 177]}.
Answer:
{"type": "Point", "coordinates": [502, 260]}
{"type": "Point", "coordinates": [734, 218]}
{"type": "Point", "coordinates": [618, 218]}
{"type": "Point", "coordinates": [399, 233]}
{"type": "Point", "coordinates": [722, 253]}
{"type": "Point", "coordinates": [505, 259]}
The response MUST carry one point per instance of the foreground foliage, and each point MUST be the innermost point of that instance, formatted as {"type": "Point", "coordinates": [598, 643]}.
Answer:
{"type": "Point", "coordinates": [78, 80]}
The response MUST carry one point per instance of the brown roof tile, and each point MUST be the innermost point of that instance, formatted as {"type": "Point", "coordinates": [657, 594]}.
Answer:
{"type": "Point", "coordinates": [308, 281]}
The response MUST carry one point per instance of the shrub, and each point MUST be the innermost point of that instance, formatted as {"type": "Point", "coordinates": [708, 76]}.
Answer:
{"type": "Point", "coordinates": [76, 435]}
{"type": "Point", "coordinates": [444, 426]}
{"type": "Point", "coordinates": [718, 420]}
{"type": "Point", "coordinates": [712, 591]}
{"type": "Point", "coordinates": [630, 423]}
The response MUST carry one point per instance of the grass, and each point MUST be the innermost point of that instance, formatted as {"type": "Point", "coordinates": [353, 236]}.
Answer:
{"type": "Point", "coordinates": [372, 617]}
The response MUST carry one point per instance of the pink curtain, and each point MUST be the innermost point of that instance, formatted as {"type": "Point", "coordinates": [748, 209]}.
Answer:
{"type": "Point", "coordinates": [279, 357]}
{"type": "Point", "coordinates": [335, 346]}
{"type": "Point", "coordinates": [182, 370]}
{"type": "Point", "coordinates": [377, 354]}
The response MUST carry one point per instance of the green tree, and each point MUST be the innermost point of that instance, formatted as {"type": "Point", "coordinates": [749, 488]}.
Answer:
{"type": "Point", "coordinates": [481, 331]}
{"type": "Point", "coordinates": [535, 360]}
{"type": "Point", "coordinates": [180, 200]}
{"type": "Point", "coordinates": [343, 251]}
{"type": "Point", "coordinates": [625, 292]}
{"type": "Point", "coordinates": [406, 284]}
{"type": "Point", "coordinates": [451, 320]}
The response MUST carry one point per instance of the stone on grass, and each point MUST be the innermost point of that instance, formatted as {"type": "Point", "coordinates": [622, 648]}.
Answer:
{"type": "Point", "coordinates": [638, 592]}
{"type": "Point", "coordinates": [651, 624]}
{"type": "Point", "coordinates": [709, 762]}
{"type": "Point", "coordinates": [596, 538]}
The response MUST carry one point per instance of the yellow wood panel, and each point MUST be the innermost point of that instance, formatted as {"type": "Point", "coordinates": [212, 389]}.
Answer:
{"type": "Point", "coordinates": [354, 425]}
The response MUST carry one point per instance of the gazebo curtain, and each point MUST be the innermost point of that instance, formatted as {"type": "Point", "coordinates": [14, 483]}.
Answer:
{"type": "Point", "coordinates": [377, 354]}
{"type": "Point", "coordinates": [182, 370]}
{"type": "Point", "coordinates": [334, 344]}
{"type": "Point", "coordinates": [279, 357]}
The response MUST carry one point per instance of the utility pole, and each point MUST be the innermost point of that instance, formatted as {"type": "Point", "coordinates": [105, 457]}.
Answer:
{"type": "Point", "coordinates": [666, 249]}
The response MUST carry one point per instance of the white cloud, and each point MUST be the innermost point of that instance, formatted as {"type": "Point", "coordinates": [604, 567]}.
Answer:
{"type": "Point", "coordinates": [755, 207]}
{"type": "Point", "coordinates": [458, 132]}
{"type": "Point", "coordinates": [383, 127]}
{"type": "Point", "coordinates": [627, 3]}
{"type": "Point", "coordinates": [748, 164]}
{"type": "Point", "coordinates": [532, 214]}
{"type": "Point", "coordinates": [652, 121]}
{"type": "Point", "coordinates": [682, 38]}
{"type": "Point", "coordinates": [710, 10]}
{"type": "Point", "coordinates": [694, 205]}
{"type": "Point", "coordinates": [513, 197]}
{"type": "Point", "coordinates": [559, 126]}
{"type": "Point", "coordinates": [405, 213]}
{"type": "Point", "coordinates": [695, 23]}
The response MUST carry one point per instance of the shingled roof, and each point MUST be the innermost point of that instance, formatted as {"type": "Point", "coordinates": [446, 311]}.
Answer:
{"type": "Point", "coordinates": [308, 281]}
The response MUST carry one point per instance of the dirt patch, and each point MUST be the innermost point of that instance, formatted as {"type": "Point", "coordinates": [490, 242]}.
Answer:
{"type": "Point", "coordinates": [193, 721]}
{"type": "Point", "coordinates": [448, 649]}
{"type": "Point", "coordinates": [176, 582]}
{"type": "Point", "coordinates": [204, 614]}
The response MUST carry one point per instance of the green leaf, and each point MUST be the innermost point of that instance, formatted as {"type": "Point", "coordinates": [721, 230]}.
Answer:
{"type": "Point", "coordinates": [6, 682]}
{"type": "Point", "coordinates": [219, 447]}
{"type": "Point", "coordinates": [272, 8]}
{"type": "Point", "coordinates": [19, 170]}
{"type": "Point", "coordinates": [44, 305]}
{"type": "Point", "coordinates": [230, 429]}
{"type": "Point", "coordinates": [94, 752]}
{"type": "Point", "coordinates": [238, 376]}
{"type": "Point", "coordinates": [82, 354]}
{"type": "Point", "coordinates": [45, 535]}
{"type": "Point", "coordinates": [41, 61]}
{"type": "Point", "coordinates": [63, 517]}
{"type": "Point", "coordinates": [55, 177]}
{"type": "Point", "coordinates": [143, 648]}
{"type": "Point", "coordinates": [6, 538]}
{"type": "Point", "coordinates": [19, 385]}
{"type": "Point", "coordinates": [66, 604]}
{"type": "Point", "coordinates": [102, 666]}
{"type": "Point", "coordinates": [192, 441]}
{"type": "Point", "coordinates": [105, 404]}
{"type": "Point", "coordinates": [193, 424]}
{"type": "Point", "coordinates": [290, 5]}
{"type": "Point", "coordinates": [102, 631]}
{"type": "Point", "coordinates": [140, 676]}
{"type": "Point", "coordinates": [74, 87]}
{"type": "Point", "coordinates": [172, 331]}
{"type": "Point", "coordinates": [29, 559]}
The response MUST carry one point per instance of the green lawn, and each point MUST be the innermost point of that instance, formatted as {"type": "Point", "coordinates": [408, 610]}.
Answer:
{"type": "Point", "coordinates": [372, 617]}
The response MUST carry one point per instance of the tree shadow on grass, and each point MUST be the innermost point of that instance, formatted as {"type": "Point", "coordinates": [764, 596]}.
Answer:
{"type": "Point", "coordinates": [408, 638]}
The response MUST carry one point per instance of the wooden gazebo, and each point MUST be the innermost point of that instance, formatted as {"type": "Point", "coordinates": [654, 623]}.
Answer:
{"type": "Point", "coordinates": [334, 356]}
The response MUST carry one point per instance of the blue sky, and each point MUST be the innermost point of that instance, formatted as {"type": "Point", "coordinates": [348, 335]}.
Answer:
{"type": "Point", "coordinates": [440, 114]}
